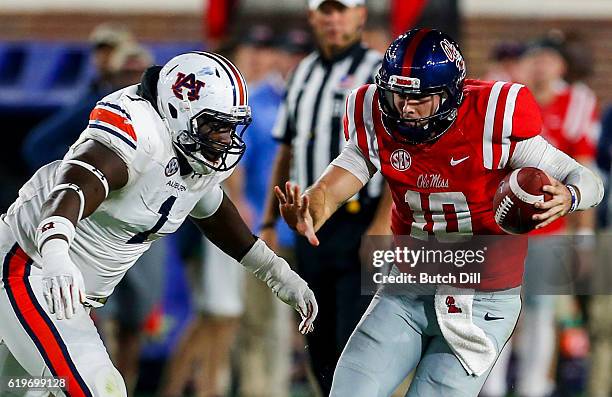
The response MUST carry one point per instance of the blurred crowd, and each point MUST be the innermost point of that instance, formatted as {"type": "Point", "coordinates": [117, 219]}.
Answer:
{"type": "Point", "coordinates": [239, 341]}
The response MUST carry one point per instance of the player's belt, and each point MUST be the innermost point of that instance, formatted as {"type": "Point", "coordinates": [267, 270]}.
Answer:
{"type": "Point", "coordinates": [95, 302]}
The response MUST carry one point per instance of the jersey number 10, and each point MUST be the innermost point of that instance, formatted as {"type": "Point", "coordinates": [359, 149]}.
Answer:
{"type": "Point", "coordinates": [442, 213]}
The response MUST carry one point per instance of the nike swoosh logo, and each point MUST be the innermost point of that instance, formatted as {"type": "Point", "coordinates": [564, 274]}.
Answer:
{"type": "Point", "coordinates": [488, 317]}
{"type": "Point", "coordinates": [454, 162]}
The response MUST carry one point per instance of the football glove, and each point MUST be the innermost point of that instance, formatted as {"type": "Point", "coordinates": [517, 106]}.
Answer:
{"type": "Point", "coordinates": [284, 282]}
{"type": "Point", "coordinates": [63, 284]}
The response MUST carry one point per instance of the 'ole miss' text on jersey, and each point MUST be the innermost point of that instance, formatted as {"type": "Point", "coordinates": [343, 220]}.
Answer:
{"type": "Point", "coordinates": [447, 186]}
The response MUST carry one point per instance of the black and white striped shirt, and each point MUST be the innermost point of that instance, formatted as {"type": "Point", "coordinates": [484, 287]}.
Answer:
{"type": "Point", "coordinates": [311, 116]}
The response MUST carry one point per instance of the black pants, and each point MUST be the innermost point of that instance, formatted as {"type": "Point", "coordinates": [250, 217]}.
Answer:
{"type": "Point", "coordinates": [332, 270]}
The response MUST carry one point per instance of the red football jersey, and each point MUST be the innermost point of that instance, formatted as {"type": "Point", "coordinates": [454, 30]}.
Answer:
{"type": "Point", "coordinates": [571, 124]}
{"type": "Point", "coordinates": [447, 186]}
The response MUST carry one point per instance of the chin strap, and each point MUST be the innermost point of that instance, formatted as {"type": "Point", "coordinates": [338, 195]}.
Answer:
{"type": "Point", "coordinates": [188, 165]}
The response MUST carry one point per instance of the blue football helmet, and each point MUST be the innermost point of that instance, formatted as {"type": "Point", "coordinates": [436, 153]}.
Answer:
{"type": "Point", "coordinates": [421, 62]}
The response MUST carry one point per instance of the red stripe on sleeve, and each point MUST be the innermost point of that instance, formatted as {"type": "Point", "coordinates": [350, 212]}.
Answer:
{"type": "Point", "coordinates": [114, 119]}
{"type": "Point", "coordinates": [498, 124]}
{"type": "Point", "coordinates": [345, 121]}
{"type": "Point", "coordinates": [381, 133]}
{"type": "Point", "coordinates": [362, 140]}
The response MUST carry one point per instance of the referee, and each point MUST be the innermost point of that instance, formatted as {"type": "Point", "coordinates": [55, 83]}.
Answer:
{"type": "Point", "coordinates": [310, 129]}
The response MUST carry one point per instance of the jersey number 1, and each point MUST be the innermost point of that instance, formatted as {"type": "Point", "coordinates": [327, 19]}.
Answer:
{"type": "Point", "coordinates": [164, 211]}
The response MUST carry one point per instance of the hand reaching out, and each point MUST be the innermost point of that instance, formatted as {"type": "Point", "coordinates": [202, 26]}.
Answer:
{"type": "Point", "coordinates": [294, 208]}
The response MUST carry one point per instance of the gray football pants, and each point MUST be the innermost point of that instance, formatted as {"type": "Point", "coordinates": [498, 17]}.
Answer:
{"type": "Point", "coordinates": [399, 333]}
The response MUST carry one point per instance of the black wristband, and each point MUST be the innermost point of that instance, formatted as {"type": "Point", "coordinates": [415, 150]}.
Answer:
{"type": "Point", "coordinates": [267, 225]}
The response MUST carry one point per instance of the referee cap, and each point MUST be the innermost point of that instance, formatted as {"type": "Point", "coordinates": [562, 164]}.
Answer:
{"type": "Point", "coordinates": [314, 4]}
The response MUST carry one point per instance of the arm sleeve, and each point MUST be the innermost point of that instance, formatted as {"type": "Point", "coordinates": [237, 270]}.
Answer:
{"type": "Point", "coordinates": [352, 160]}
{"type": "Point", "coordinates": [536, 152]}
{"type": "Point", "coordinates": [208, 204]}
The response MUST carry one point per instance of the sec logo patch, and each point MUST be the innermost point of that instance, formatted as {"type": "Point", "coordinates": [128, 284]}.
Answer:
{"type": "Point", "coordinates": [172, 167]}
{"type": "Point", "coordinates": [400, 160]}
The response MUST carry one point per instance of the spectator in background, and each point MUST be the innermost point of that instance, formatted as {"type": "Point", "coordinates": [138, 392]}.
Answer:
{"type": "Point", "coordinates": [126, 65]}
{"type": "Point", "coordinates": [59, 131]}
{"type": "Point", "coordinates": [570, 113]}
{"type": "Point", "coordinates": [105, 39]}
{"type": "Point", "coordinates": [580, 57]}
{"type": "Point", "coordinates": [506, 62]}
{"type": "Point", "coordinates": [570, 123]}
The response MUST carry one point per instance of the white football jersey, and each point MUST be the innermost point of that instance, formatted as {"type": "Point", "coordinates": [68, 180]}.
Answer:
{"type": "Point", "coordinates": [155, 201]}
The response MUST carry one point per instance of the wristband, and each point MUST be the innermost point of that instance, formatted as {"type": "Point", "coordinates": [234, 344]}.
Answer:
{"type": "Point", "coordinates": [574, 195]}
{"type": "Point", "coordinates": [54, 226]}
{"type": "Point", "coordinates": [267, 225]}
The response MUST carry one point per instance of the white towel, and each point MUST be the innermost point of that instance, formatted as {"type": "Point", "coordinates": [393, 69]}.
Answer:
{"type": "Point", "coordinates": [473, 348]}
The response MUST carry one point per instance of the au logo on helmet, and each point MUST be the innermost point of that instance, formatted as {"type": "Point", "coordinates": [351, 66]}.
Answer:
{"type": "Point", "coordinates": [188, 82]}
{"type": "Point", "coordinates": [400, 160]}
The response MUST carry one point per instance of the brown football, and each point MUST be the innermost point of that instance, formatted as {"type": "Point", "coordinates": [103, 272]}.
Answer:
{"type": "Point", "coordinates": [514, 199]}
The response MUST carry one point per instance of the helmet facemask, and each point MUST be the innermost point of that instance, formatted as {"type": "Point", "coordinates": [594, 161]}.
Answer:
{"type": "Point", "coordinates": [414, 130]}
{"type": "Point", "coordinates": [213, 139]}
